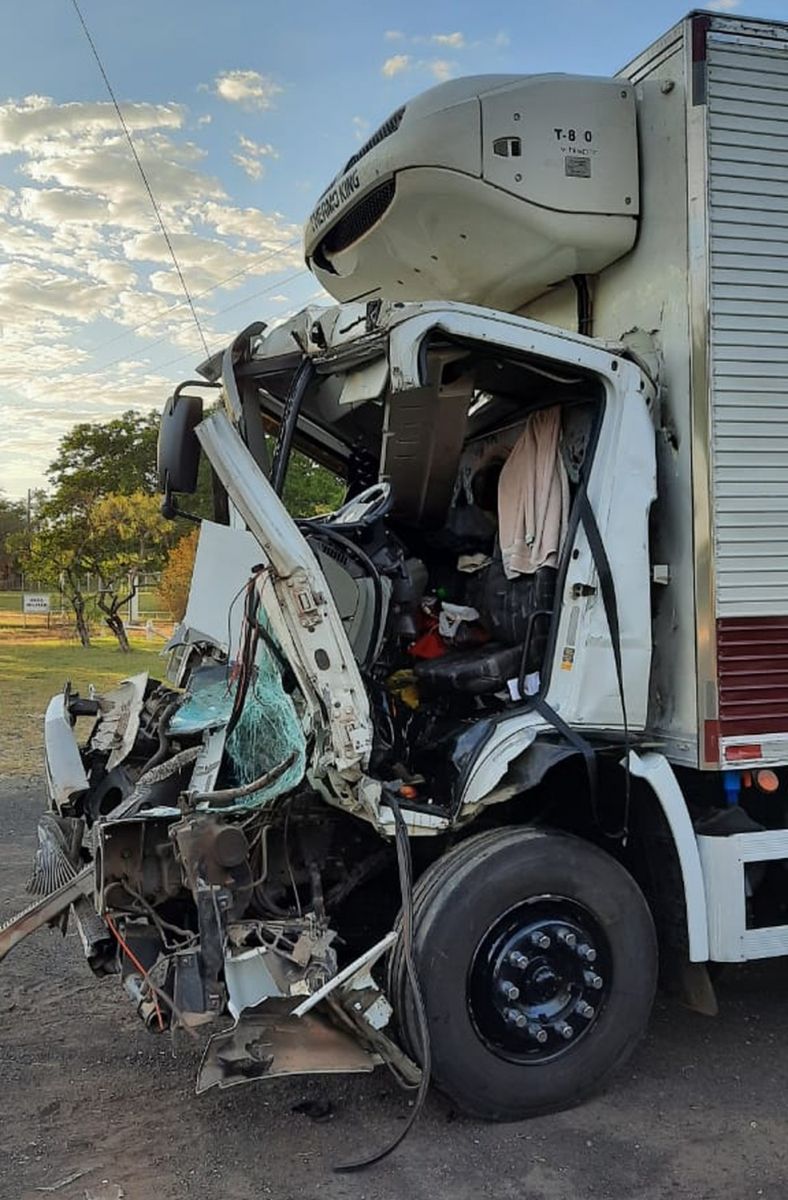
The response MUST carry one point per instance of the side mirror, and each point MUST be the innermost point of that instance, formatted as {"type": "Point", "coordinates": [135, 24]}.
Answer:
{"type": "Point", "coordinates": [178, 450]}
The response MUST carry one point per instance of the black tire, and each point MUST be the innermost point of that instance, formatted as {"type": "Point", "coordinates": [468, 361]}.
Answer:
{"type": "Point", "coordinates": [464, 896]}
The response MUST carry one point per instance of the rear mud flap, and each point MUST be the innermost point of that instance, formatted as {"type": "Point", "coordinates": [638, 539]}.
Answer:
{"type": "Point", "coordinates": [269, 1042]}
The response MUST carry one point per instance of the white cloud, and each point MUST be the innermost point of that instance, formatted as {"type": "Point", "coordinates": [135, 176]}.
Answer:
{"type": "Point", "coordinates": [250, 166]}
{"type": "Point", "coordinates": [249, 155]}
{"type": "Point", "coordinates": [395, 65]}
{"type": "Point", "coordinates": [79, 244]}
{"type": "Point", "coordinates": [38, 121]}
{"type": "Point", "coordinates": [441, 69]}
{"type": "Point", "coordinates": [27, 291]}
{"type": "Point", "coordinates": [250, 89]}
{"type": "Point", "coordinates": [116, 274]}
{"type": "Point", "coordinates": [455, 40]}
{"type": "Point", "coordinates": [501, 39]}
{"type": "Point", "coordinates": [723, 5]}
{"type": "Point", "coordinates": [258, 149]}
{"type": "Point", "coordinates": [394, 35]}
{"type": "Point", "coordinates": [53, 206]}
{"type": "Point", "coordinates": [261, 231]}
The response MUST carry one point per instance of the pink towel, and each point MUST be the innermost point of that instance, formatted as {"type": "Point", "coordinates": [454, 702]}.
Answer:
{"type": "Point", "coordinates": [533, 497]}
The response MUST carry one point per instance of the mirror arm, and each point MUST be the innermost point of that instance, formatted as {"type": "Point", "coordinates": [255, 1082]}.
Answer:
{"type": "Point", "coordinates": [170, 510]}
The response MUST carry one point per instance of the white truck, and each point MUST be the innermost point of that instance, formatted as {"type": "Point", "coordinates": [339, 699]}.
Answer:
{"type": "Point", "coordinates": [538, 659]}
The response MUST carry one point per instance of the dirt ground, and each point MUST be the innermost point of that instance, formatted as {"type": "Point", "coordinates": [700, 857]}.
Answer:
{"type": "Point", "coordinates": [699, 1112]}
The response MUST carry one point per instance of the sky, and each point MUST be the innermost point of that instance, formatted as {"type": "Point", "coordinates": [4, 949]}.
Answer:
{"type": "Point", "coordinates": [241, 113]}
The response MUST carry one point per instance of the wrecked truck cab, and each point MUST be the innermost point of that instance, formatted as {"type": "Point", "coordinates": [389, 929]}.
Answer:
{"type": "Point", "coordinates": [471, 620]}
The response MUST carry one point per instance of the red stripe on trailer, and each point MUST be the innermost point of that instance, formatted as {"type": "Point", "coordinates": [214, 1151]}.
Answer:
{"type": "Point", "coordinates": [752, 673]}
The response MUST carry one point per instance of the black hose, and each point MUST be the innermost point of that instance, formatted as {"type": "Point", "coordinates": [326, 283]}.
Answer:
{"type": "Point", "coordinates": [164, 742]}
{"type": "Point", "coordinates": [228, 795]}
{"type": "Point", "coordinates": [585, 310]}
{"type": "Point", "coordinates": [247, 652]}
{"type": "Point", "coordinates": [366, 562]}
{"type": "Point", "coordinates": [405, 864]}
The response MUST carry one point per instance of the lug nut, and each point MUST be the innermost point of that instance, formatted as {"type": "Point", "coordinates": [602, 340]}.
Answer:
{"type": "Point", "coordinates": [565, 1030]}
{"type": "Point", "coordinates": [538, 1034]}
{"type": "Point", "coordinates": [516, 1018]}
{"type": "Point", "coordinates": [541, 940]}
{"type": "Point", "coordinates": [516, 959]}
{"type": "Point", "coordinates": [585, 1010]}
{"type": "Point", "coordinates": [593, 980]}
{"type": "Point", "coordinates": [587, 953]}
{"type": "Point", "coordinates": [510, 990]}
{"type": "Point", "coordinates": [567, 937]}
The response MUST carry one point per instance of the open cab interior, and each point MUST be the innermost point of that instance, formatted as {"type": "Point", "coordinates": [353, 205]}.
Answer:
{"type": "Point", "coordinates": [447, 558]}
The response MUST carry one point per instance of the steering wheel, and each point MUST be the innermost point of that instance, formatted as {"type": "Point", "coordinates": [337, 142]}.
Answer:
{"type": "Point", "coordinates": [368, 506]}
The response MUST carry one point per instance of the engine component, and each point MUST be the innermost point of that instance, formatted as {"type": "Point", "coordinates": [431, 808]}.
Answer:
{"type": "Point", "coordinates": [215, 854]}
{"type": "Point", "coordinates": [135, 863]}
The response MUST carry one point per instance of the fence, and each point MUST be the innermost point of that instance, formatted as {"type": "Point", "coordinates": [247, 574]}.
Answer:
{"type": "Point", "coordinates": [145, 606]}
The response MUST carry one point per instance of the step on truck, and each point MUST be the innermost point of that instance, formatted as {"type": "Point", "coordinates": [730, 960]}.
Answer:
{"type": "Point", "coordinates": [445, 776]}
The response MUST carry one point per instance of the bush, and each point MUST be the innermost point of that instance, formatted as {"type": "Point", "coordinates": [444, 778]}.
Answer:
{"type": "Point", "coordinates": [177, 575]}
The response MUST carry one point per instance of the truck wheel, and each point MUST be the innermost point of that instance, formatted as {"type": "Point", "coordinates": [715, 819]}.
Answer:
{"type": "Point", "coordinates": [537, 959]}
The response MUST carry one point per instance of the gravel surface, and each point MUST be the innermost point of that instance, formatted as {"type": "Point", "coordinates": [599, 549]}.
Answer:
{"type": "Point", "coordinates": [698, 1112]}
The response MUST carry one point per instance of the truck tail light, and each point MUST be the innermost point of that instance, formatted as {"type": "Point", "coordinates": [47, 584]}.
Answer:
{"type": "Point", "coordinates": [743, 753]}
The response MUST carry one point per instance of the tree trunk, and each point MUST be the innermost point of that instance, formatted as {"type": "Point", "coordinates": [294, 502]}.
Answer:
{"type": "Point", "coordinates": [77, 602]}
{"type": "Point", "coordinates": [81, 623]}
{"type": "Point", "coordinates": [114, 620]}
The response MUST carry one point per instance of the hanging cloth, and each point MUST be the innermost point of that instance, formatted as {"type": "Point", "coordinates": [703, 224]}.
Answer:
{"type": "Point", "coordinates": [533, 497]}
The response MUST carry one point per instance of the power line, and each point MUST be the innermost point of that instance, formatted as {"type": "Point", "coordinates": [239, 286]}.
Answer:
{"type": "Point", "coordinates": [165, 312]}
{"type": "Point", "coordinates": [189, 354]}
{"type": "Point", "coordinates": [141, 169]}
{"type": "Point", "coordinates": [280, 283]}
{"type": "Point", "coordinates": [165, 337]}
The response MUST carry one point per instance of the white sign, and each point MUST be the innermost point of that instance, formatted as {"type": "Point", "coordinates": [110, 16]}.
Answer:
{"type": "Point", "coordinates": [35, 602]}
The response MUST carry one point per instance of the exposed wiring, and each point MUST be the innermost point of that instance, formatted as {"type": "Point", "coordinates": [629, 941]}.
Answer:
{"type": "Point", "coordinates": [233, 603]}
{"type": "Point", "coordinates": [289, 864]}
{"type": "Point", "coordinates": [141, 170]}
{"type": "Point", "coordinates": [405, 866]}
{"type": "Point", "coordinates": [186, 936]}
{"type": "Point", "coordinates": [131, 956]}
{"type": "Point", "coordinates": [158, 993]}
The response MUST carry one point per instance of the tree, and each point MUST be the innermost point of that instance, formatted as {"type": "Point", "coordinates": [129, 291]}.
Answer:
{"type": "Point", "coordinates": [54, 554]}
{"type": "Point", "coordinates": [309, 488]}
{"type": "Point", "coordinates": [113, 539]}
{"type": "Point", "coordinates": [109, 457]}
{"type": "Point", "coordinates": [13, 522]}
{"type": "Point", "coordinates": [117, 457]}
{"type": "Point", "coordinates": [177, 575]}
{"type": "Point", "coordinates": [126, 535]}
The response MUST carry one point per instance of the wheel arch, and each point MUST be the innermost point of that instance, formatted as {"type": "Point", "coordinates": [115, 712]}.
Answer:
{"type": "Point", "coordinates": [661, 851]}
{"type": "Point", "coordinates": [657, 775]}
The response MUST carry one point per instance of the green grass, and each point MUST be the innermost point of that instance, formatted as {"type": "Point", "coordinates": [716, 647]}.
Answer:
{"type": "Point", "coordinates": [32, 670]}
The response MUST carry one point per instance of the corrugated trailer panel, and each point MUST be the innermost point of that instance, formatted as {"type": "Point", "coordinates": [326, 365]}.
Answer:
{"type": "Point", "coordinates": [747, 122]}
